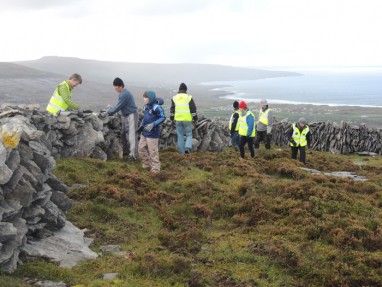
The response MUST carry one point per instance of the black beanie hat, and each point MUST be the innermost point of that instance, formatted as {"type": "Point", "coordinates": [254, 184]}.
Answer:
{"type": "Point", "coordinates": [235, 104]}
{"type": "Point", "coordinates": [118, 83]}
{"type": "Point", "coordinates": [183, 87]}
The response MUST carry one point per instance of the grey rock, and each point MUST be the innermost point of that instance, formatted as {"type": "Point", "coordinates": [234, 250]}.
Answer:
{"type": "Point", "coordinates": [7, 231]}
{"type": "Point", "coordinates": [110, 276]}
{"type": "Point", "coordinates": [33, 212]}
{"type": "Point", "coordinates": [54, 217]}
{"type": "Point", "coordinates": [98, 153]}
{"type": "Point", "coordinates": [5, 174]}
{"type": "Point", "coordinates": [13, 160]}
{"type": "Point", "coordinates": [67, 246]}
{"type": "Point", "coordinates": [110, 248]}
{"type": "Point", "coordinates": [50, 284]}
{"type": "Point", "coordinates": [61, 200]}
{"type": "Point", "coordinates": [57, 184]}
{"type": "Point", "coordinates": [23, 192]}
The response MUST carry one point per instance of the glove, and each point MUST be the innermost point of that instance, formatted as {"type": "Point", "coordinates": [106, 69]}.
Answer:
{"type": "Point", "coordinates": [140, 129]}
{"type": "Point", "coordinates": [80, 113]}
{"type": "Point", "coordinates": [149, 127]}
{"type": "Point", "coordinates": [293, 142]}
{"type": "Point", "coordinates": [103, 114]}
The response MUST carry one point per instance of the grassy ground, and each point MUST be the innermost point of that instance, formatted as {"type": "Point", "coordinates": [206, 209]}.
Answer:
{"type": "Point", "coordinates": [210, 219]}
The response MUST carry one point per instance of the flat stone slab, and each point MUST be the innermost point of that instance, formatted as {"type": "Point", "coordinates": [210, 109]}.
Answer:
{"type": "Point", "coordinates": [67, 246]}
{"type": "Point", "coordinates": [110, 276]}
{"type": "Point", "coordinates": [111, 248]}
{"type": "Point", "coordinates": [341, 174]}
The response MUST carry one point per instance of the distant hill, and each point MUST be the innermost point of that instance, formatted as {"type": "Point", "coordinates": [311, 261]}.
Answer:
{"type": "Point", "coordinates": [167, 75]}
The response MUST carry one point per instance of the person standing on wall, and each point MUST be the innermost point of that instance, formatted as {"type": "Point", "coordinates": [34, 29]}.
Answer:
{"type": "Point", "coordinates": [233, 125]}
{"type": "Point", "coordinates": [264, 125]}
{"type": "Point", "coordinates": [126, 104]}
{"type": "Point", "coordinates": [299, 138]}
{"type": "Point", "coordinates": [61, 99]}
{"type": "Point", "coordinates": [247, 129]}
{"type": "Point", "coordinates": [183, 111]}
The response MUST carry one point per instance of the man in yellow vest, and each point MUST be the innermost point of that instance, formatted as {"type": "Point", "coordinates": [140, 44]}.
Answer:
{"type": "Point", "coordinates": [247, 130]}
{"type": "Point", "coordinates": [299, 138]}
{"type": "Point", "coordinates": [61, 99]}
{"type": "Point", "coordinates": [183, 111]}
{"type": "Point", "coordinates": [264, 125]}
{"type": "Point", "coordinates": [233, 125]}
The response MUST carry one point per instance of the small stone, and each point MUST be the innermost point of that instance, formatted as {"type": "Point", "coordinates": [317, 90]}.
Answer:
{"type": "Point", "coordinates": [110, 276]}
{"type": "Point", "coordinates": [111, 248]}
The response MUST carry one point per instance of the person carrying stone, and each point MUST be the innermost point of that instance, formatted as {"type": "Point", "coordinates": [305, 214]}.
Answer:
{"type": "Point", "coordinates": [183, 111]}
{"type": "Point", "coordinates": [126, 105]}
{"type": "Point", "coordinates": [264, 125]}
{"type": "Point", "coordinates": [247, 129]}
{"type": "Point", "coordinates": [299, 138]}
{"type": "Point", "coordinates": [233, 125]}
{"type": "Point", "coordinates": [153, 117]}
{"type": "Point", "coordinates": [61, 99]}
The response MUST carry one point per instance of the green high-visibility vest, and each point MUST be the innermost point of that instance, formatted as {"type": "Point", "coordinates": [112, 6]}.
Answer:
{"type": "Point", "coordinates": [231, 120]}
{"type": "Point", "coordinates": [299, 137]}
{"type": "Point", "coordinates": [182, 107]}
{"type": "Point", "coordinates": [263, 116]}
{"type": "Point", "coordinates": [243, 126]}
{"type": "Point", "coordinates": [56, 102]}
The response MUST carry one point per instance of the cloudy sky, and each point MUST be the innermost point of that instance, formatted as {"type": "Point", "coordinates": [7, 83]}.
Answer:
{"type": "Point", "coordinates": [233, 32]}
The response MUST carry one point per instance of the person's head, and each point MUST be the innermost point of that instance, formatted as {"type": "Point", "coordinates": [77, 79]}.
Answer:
{"type": "Point", "coordinates": [235, 105]}
{"type": "Point", "coordinates": [302, 122]}
{"type": "Point", "coordinates": [183, 88]}
{"type": "Point", "coordinates": [75, 80]}
{"type": "Point", "coordinates": [242, 106]}
{"type": "Point", "coordinates": [118, 85]}
{"type": "Point", "coordinates": [149, 97]}
{"type": "Point", "coordinates": [263, 103]}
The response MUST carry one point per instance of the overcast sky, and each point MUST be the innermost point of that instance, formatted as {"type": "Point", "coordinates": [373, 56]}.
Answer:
{"type": "Point", "coordinates": [232, 32]}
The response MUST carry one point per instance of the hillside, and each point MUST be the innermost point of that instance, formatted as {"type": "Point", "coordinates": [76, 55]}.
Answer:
{"type": "Point", "coordinates": [165, 75]}
{"type": "Point", "coordinates": [212, 220]}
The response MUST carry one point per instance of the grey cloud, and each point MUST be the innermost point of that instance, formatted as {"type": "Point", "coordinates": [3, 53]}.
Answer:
{"type": "Point", "coordinates": [35, 4]}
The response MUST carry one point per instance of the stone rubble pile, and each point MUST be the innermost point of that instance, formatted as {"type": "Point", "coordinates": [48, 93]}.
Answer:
{"type": "Point", "coordinates": [342, 138]}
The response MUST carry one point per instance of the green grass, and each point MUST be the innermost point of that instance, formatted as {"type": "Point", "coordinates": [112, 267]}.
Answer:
{"type": "Point", "coordinates": [210, 219]}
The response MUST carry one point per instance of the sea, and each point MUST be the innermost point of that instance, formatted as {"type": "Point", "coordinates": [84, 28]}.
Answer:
{"type": "Point", "coordinates": [350, 86]}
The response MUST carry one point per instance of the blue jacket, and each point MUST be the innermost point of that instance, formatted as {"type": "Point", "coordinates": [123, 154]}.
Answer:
{"type": "Point", "coordinates": [126, 104]}
{"type": "Point", "coordinates": [153, 113]}
{"type": "Point", "coordinates": [250, 123]}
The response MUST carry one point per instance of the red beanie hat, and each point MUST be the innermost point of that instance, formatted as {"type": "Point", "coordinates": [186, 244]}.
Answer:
{"type": "Point", "coordinates": [242, 105]}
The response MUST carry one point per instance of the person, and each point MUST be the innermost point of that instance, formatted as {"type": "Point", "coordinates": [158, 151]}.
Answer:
{"type": "Point", "coordinates": [153, 117]}
{"type": "Point", "coordinates": [129, 110]}
{"type": "Point", "coordinates": [233, 126]}
{"type": "Point", "coordinates": [183, 111]}
{"type": "Point", "coordinates": [299, 138]}
{"type": "Point", "coordinates": [247, 129]}
{"type": "Point", "coordinates": [61, 99]}
{"type": "Point", "coordinates": [264, 125]}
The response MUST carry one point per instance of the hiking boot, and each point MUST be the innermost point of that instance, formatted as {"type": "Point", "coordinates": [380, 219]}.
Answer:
{"type": "Point", "coordinates": [132, 158]}
{"type": "Point", "coordinates": [187, 151]}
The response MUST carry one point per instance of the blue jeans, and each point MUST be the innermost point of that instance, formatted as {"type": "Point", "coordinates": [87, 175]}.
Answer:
{"type": "Point", "coordinates": [183, 128]}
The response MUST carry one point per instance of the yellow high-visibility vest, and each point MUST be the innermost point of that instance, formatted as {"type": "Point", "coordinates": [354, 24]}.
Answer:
{"type": "Point", "coordinates": [299, 137]}
{"type": "Point", "coordinates": [56, 102]}
{"type": "Point", "coordinates": [182, 107]}
{"type": "Point", "coordinates": [263, 116]}
{"type": "Point", "coordinates": [243, 126]}
{"type": "Point", "coordinates": [231, 120]}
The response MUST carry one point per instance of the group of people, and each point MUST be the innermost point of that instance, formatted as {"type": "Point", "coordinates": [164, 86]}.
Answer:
{"type": "Point", "coordinates": [245, 131]}
{"type": "Point", "coordinates": [183, 112]}
{"type": "Point", "coordinates": [242, 125]}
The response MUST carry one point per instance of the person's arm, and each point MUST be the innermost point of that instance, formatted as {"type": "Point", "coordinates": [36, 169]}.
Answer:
{"type": "Point", "coordinates": [172, 110]}
{"type": "Point", "coordinates": [121, 102]}
{"type": "Point", "coordinates": [234, 122]}
{"type": "Point", "coordinates": [193, 112]}
{"type": "Point", "coordinates": [160, 113]}
{"type": "Point", "coordinates": [250, 123]}
{"type": "Point", "coordinates": [270, 122]}
{"type": "Point", "coordinates": [309, 139]}
{"type": "Point", "coordinates": [65, 94]}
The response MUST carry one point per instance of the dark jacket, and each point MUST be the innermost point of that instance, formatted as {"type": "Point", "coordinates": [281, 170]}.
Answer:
{"type": "Point", "coordinates": [126, 104]}
{"type": "Point", "coordinates": [235, 118]}
{"type": "Point", "coordinates": [290, 133]}
{"type": "Point", "coordinates": [153, 113]}
{"type": "Point", "coordinates": [191, 105]}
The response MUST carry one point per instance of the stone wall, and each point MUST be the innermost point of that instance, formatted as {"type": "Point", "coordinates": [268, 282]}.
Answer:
{"type": "Point", "coordinates": [341, 138]}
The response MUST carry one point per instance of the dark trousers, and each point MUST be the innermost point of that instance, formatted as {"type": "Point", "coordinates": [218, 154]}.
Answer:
{"type": "Point", "coordinates": [235, 140]}
{"type": "Point", "coordinates": [302, 153]}
{"type": "Point", "coordinates": [263, 136]}
{"type": "Point", "coordinates": [243, 141]}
